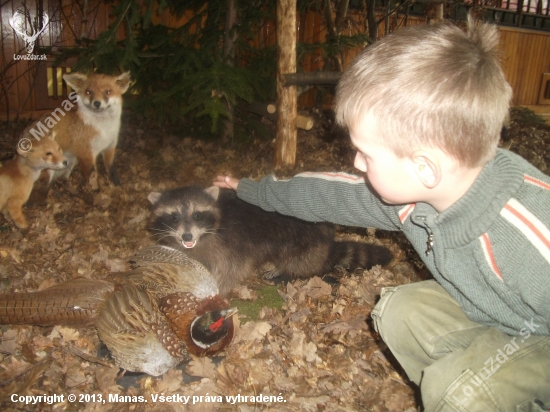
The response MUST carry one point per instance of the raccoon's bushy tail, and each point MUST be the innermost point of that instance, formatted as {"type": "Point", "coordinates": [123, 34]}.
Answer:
{"type": "Point", "coordinates": [356, 255]}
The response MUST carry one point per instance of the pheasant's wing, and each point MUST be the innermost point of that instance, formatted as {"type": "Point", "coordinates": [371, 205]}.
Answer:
{"type": "Point", "coordinates": [137, 333]}
{"type": "Point", "coordinates": [166, 270]}
{"type": "Point", "coordinates": [163, 254]}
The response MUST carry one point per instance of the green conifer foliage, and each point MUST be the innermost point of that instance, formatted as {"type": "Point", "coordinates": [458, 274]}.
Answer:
{"type": "Point", "coordinates": [185, 74]}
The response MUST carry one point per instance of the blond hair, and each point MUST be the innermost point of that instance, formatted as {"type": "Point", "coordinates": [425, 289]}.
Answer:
{"type": "Point", "coordinates": [429, 85]}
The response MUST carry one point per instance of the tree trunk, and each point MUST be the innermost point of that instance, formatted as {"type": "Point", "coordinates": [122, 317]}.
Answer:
{"type": "Point", "coordinates": [229, 56]}
{"type": "Point", "coordinates": [285, 147]}
{"type": "Point", "coordinates": [371, 18]}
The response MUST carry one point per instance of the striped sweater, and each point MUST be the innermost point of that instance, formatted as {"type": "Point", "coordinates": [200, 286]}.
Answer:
{"type": "Point", "coordinates": [490, 250]}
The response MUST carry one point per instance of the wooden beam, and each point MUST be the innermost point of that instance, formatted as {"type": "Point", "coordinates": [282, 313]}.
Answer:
{"type": "Point", "coordinates": [304, 79]}
{"type": "Point", "coordinates": [269, 111]}
{"type": "Point", "coordinates": [287, 101]}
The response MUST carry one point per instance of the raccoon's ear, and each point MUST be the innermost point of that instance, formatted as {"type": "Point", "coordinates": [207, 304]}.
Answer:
{"type": "Point", "coordinates": [123, 81]}
{"type": "Point", "coordinates": [75, 80]}
{"type": "Point", "coordinates": [213, 191]}
{"type": "Point", "coordinates": [154, 197]}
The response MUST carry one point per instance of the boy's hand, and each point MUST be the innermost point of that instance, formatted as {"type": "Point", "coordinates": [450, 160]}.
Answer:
{"type": "Point", "coordinates": [226, 182]}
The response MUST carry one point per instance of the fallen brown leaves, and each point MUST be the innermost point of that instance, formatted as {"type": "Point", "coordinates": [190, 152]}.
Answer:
{"type": "Point", "coordinates": [318, 352]}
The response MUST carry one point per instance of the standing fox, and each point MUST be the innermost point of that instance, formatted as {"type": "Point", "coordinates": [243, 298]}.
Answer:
{"type": "Point", "coordinates": [93, 128]}
{"type": "Point", "coordinates": [18, 175]}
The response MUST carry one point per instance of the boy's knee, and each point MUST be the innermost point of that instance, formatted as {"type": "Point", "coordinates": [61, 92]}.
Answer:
{"type": "Point", "coordinates": [401, 306]}
{"type": "Point", "coordinates": [496, 372]}
{"type": "Point", "coordinates": [462, 394]}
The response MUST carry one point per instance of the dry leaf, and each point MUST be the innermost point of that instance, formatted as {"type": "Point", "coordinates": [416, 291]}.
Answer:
{"type": "Point", "coordinates": [116, 265]}
{"type": "Point", "coordinates": [171, 381]}
{"type": "Point", "coordinates": [252, 331]}
{"type": "Point", "coordinates": [244, 293]}
{"type": "Point", "coordinates": [317, 288]}
{"type": "Point", "coordinates": [202, 367]}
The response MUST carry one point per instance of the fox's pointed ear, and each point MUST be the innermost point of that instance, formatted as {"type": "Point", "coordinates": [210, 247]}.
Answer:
{"type": "Point", "coordinates": [154, 197]}
{"type": "Point", "coordinates": [75, 80]}
{"type": "Point", "coordinates": [213, 191]}
{"type": "Point", "coordinates": [22, 153]}
{"type": "Point", "coordinates": [123, 81]}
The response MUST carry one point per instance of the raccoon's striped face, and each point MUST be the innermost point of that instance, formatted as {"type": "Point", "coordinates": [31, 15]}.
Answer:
{"type": "Point", "coordinates": [186, 224]}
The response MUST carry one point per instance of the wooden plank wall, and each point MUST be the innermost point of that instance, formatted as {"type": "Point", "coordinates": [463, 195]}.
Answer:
{"type": "Point", "coordinates": [526, 57]}
{"type": "Point", "coordinates": [65, 26]}
{"type": "Point", "coordinates": [311, 30]}
{"type": "Point", "coordinates": [526, 53]}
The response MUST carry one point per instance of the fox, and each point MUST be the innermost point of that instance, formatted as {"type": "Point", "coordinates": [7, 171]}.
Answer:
{"type": "Point", "coordinates": [18, 175]}
{"type": "Point", "coordinates": [93, 128]}
{"type": "Point", "coordinates": [236, 240]}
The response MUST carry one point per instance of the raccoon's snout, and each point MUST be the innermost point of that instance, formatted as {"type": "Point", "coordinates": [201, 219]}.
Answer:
{"type": "Point", "coordinates": [187, 241]}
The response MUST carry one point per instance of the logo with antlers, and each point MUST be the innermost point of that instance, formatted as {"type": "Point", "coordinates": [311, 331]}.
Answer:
{"type": "Point", "coordinates": [28, 28]}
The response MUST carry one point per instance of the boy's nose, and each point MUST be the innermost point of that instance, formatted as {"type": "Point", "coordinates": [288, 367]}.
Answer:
{"type": "Point", "coordinates": [360, 163]}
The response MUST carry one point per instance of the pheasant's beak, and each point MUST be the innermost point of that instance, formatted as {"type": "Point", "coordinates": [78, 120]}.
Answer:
{"type": "Point", "coordinates": [227, 313]}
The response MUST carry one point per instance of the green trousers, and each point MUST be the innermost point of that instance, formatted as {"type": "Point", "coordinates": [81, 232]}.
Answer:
{"type": "Point", "coordinates": [458, 364]}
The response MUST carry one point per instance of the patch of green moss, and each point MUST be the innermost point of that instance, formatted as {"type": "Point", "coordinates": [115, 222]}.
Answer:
{"type": "Point", "coordinates": [267, 296]}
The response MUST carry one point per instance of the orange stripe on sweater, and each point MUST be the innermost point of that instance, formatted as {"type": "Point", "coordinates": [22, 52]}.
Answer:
{"type": "Point", "coordinates": [529, 224]}
{"type": "Point", "coordinates": [536, 182]}
{"type": "Point", "coordinates": [488, 251]}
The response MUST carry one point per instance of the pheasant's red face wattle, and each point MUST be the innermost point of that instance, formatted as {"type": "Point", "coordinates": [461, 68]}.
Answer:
{"type": "Point", "coordinates": [216, 325]}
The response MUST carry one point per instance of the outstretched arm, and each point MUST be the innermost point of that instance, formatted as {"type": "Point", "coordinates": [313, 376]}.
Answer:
{"type": "Point", "coordinates": [333, 197]}
{"type": "Point", "coordinates": [226, 182]}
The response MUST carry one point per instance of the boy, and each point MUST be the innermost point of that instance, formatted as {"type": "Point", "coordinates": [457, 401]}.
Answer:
{"type": "Point", "coordinates": [424, 108]}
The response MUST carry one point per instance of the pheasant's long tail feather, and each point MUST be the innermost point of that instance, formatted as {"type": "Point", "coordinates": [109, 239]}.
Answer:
{"type": "Point", "coordinates": [74, 303]}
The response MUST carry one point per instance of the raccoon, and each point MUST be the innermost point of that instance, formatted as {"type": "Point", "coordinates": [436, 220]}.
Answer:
{"type": "Point", "coordinates": [235, 239]}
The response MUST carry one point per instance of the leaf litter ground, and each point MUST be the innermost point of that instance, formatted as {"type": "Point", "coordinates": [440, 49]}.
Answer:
{"type": "Point", "coordinates": [309, 344]}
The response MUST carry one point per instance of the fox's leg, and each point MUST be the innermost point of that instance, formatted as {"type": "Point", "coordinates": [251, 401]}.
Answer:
{"type": "Point", "coordinates": [15, 209]}
{"type": "Point", "coordinates": [109, 161]}
{"type": "Point", "coordinates": [87, 166]}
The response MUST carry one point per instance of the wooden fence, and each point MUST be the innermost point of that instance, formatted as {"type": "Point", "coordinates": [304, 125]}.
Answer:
{"type": "Point", "coordinates": [526, 52]}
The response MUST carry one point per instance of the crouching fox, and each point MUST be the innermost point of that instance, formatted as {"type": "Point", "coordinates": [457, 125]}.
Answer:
{"type": "Point", "coordinates": [18, 175]}
{"type": "Point", "coordinates": [236, 240]}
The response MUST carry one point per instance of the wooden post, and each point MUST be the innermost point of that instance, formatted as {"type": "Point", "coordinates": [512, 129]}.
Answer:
{"type": "Point", "coordinates": [229, 56]}
{"type": "Point", "coordinates": [287, 102]}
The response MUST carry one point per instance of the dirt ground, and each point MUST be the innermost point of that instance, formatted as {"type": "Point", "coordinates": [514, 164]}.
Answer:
{"type": "Point", "coordinates": [313, 350]}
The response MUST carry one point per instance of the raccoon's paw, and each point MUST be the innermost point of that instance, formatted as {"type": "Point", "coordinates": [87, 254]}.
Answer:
{"type": "Point", "coordinates": [271, 274]}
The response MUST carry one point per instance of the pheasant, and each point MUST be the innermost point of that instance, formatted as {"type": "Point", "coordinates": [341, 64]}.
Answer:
{"type": "Point", "coordinates": [167, 308]}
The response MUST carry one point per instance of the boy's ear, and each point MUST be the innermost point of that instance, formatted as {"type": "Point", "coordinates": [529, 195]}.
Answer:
{"type": "Point", "coordinates": [427, 168]}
